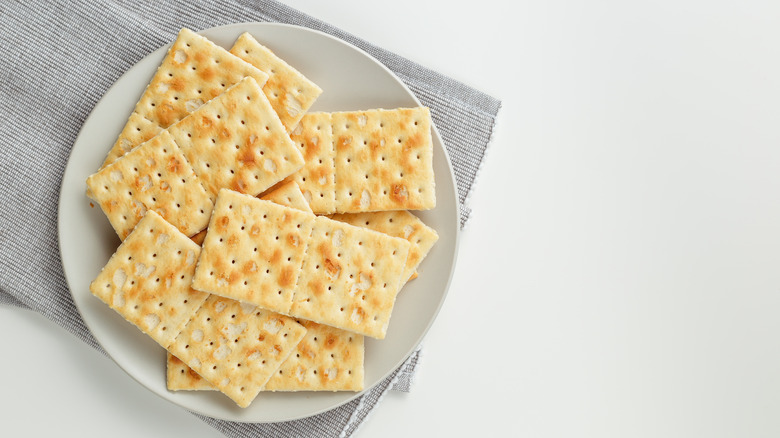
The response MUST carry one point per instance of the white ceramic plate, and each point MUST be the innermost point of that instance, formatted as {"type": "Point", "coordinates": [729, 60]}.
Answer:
{"type": "Point", "coordinates": [351, 80]}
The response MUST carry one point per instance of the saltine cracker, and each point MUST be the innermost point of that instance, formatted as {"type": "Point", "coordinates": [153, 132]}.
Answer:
{"type": "Point", "coordinates": [157, 176]}
{"type": "Point", "coordinates": [290, 92]}
{"type": "Point", "coordinates": [236, 141]}
{"type": "Point", "coordinates": [253, 251]}
{"type": "Point", "coordinates": [350, 277]}
{"type": "Point", "coordinates": [384, 160]}
{"type": "Point", "coordinates": [147, 280]}
{"type": "Point", "coordinates": [236, 347]}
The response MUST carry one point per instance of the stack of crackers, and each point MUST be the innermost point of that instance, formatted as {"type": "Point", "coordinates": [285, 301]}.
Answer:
{"type": "Point", "coordinates": [260, 242]}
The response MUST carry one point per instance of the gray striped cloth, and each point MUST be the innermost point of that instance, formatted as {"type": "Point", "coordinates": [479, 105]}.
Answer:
{"type": "Point", "coordinates": [57, 60]}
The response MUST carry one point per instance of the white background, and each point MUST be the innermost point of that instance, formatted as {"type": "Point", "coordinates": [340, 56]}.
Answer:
{"type": "Point", "coordinates": [619, 276]}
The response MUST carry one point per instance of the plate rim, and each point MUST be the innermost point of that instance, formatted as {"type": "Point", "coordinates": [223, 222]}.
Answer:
{"type": "Point", "coordinates": [435, 132]}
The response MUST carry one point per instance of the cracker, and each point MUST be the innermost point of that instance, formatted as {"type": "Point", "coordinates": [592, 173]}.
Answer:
{"type": "Point", "coordinates": [194, 71]}
{"type": "Point", "coordinates": [317, 178]}
{"type": "Point", "coordinates": [283, 193]}
{"type": "Point", "coordinates": [236, 347]}
{"type": "Point", "coordinates": [147, 280]}
{"type": "Point", "coordinates": [327, 359]}
{"type": "Point", "coordinates": [157, 176]}
{"type": "Point", "coordinates": [401, 224]}
{"type": "Point", "coordinates": [253, 251]}
{"type": "Point", "coordinates": [288, 194]}
{"type": "Point", "coordinates": [137, 130]}
{"type": "Point", "coordinates": [236, 141]}
{"type": "Point", "coordinates": [290, 92]}
{"type": "Point", "coordinates": [350, 277]}
{"type": "Point", "coordinates": [384, 160]}
{"type": "Point", "coordinates": [181, 377]}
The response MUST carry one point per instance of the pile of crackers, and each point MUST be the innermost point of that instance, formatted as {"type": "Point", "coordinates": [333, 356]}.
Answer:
{"type": "Point", "coordinates": [260, 242]}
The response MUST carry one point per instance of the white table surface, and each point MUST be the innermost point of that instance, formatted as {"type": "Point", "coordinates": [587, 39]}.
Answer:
{"type": "Point", "coordinates": [619, 276]}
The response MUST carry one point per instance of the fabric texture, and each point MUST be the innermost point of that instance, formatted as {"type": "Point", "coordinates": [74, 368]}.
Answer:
{"type": "Point", "coordinates": [60, 57]}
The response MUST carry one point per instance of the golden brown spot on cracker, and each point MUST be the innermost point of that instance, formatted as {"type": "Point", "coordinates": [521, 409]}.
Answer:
{"type": "Point", "coordinates": [343, 142]}
{"type": "Point", "coordinates": [177, 84]}
{"type": "Point", "coordinates": [319, 172]}
{"type": "Point", "coordinates": [173, 166]}
{"type": "Point", "coordinates": [286, 277]}
{"type": "Point", "coordinates": [166, 114]}
{"type": "Point", "coordinates": [330, 341]}
{"type": "Point", "coordinates": [232, 240]}
{"type": "Point", "coordinates": [316, 287]}
{"type": "Point", "coordinates": [246, 157]}
{"type": "Point", "coordinates": [331, 267]}
{"type": "Point", "coordinates": [413, 142]}
{"type": "Point", "coordinates": [312, 149]}
{"type": "Point", "coordinates": [276, 257]}
{"type": "Point", "coordinates": [192, 374]}
{"type": "Point", "coordinates": [399, 193]}
{"type": "Point", "coordinates": [199, 57]}
{"type": "Point", "coordinates": [255, 230]}
{"type": "Point", "coordinates": [222, 223]}
{"type": "Point", "coordinates": [207, 73]}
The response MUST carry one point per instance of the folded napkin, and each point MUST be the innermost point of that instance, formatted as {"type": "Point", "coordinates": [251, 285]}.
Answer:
{"type": "Point", "coordinates": [58, 59]}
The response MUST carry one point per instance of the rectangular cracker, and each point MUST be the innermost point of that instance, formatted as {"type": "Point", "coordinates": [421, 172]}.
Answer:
{"type": "Point", "coordinates": [384, 160]}
{"type": "Point", "coordinates": [154, 176]}
{"type": "Point", "coordinates": [290, 92]}
{"type": "Point", "coordinates": [399, 223]}
{"type": "Point", "coordinates": [289, 194]}
{"type": "Point", "coordinates": [236, 347]}
{"type": "Point", "coordinates": [147, 280]}
{"type": "Point", "coordinates": [350, 278]}
{"type": "Point", "coordinates": [327, 359]}
{"type": "Point", "coordinates": [253, 251]}
{"type": "Point", "coordinates": [283, 193]}
{"type": "Point", "coordinates": [236, 141]}
{"type": "Point", "coordinates": [194, 71]}
{"type": "Point", "coordinates": [317, 178]}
